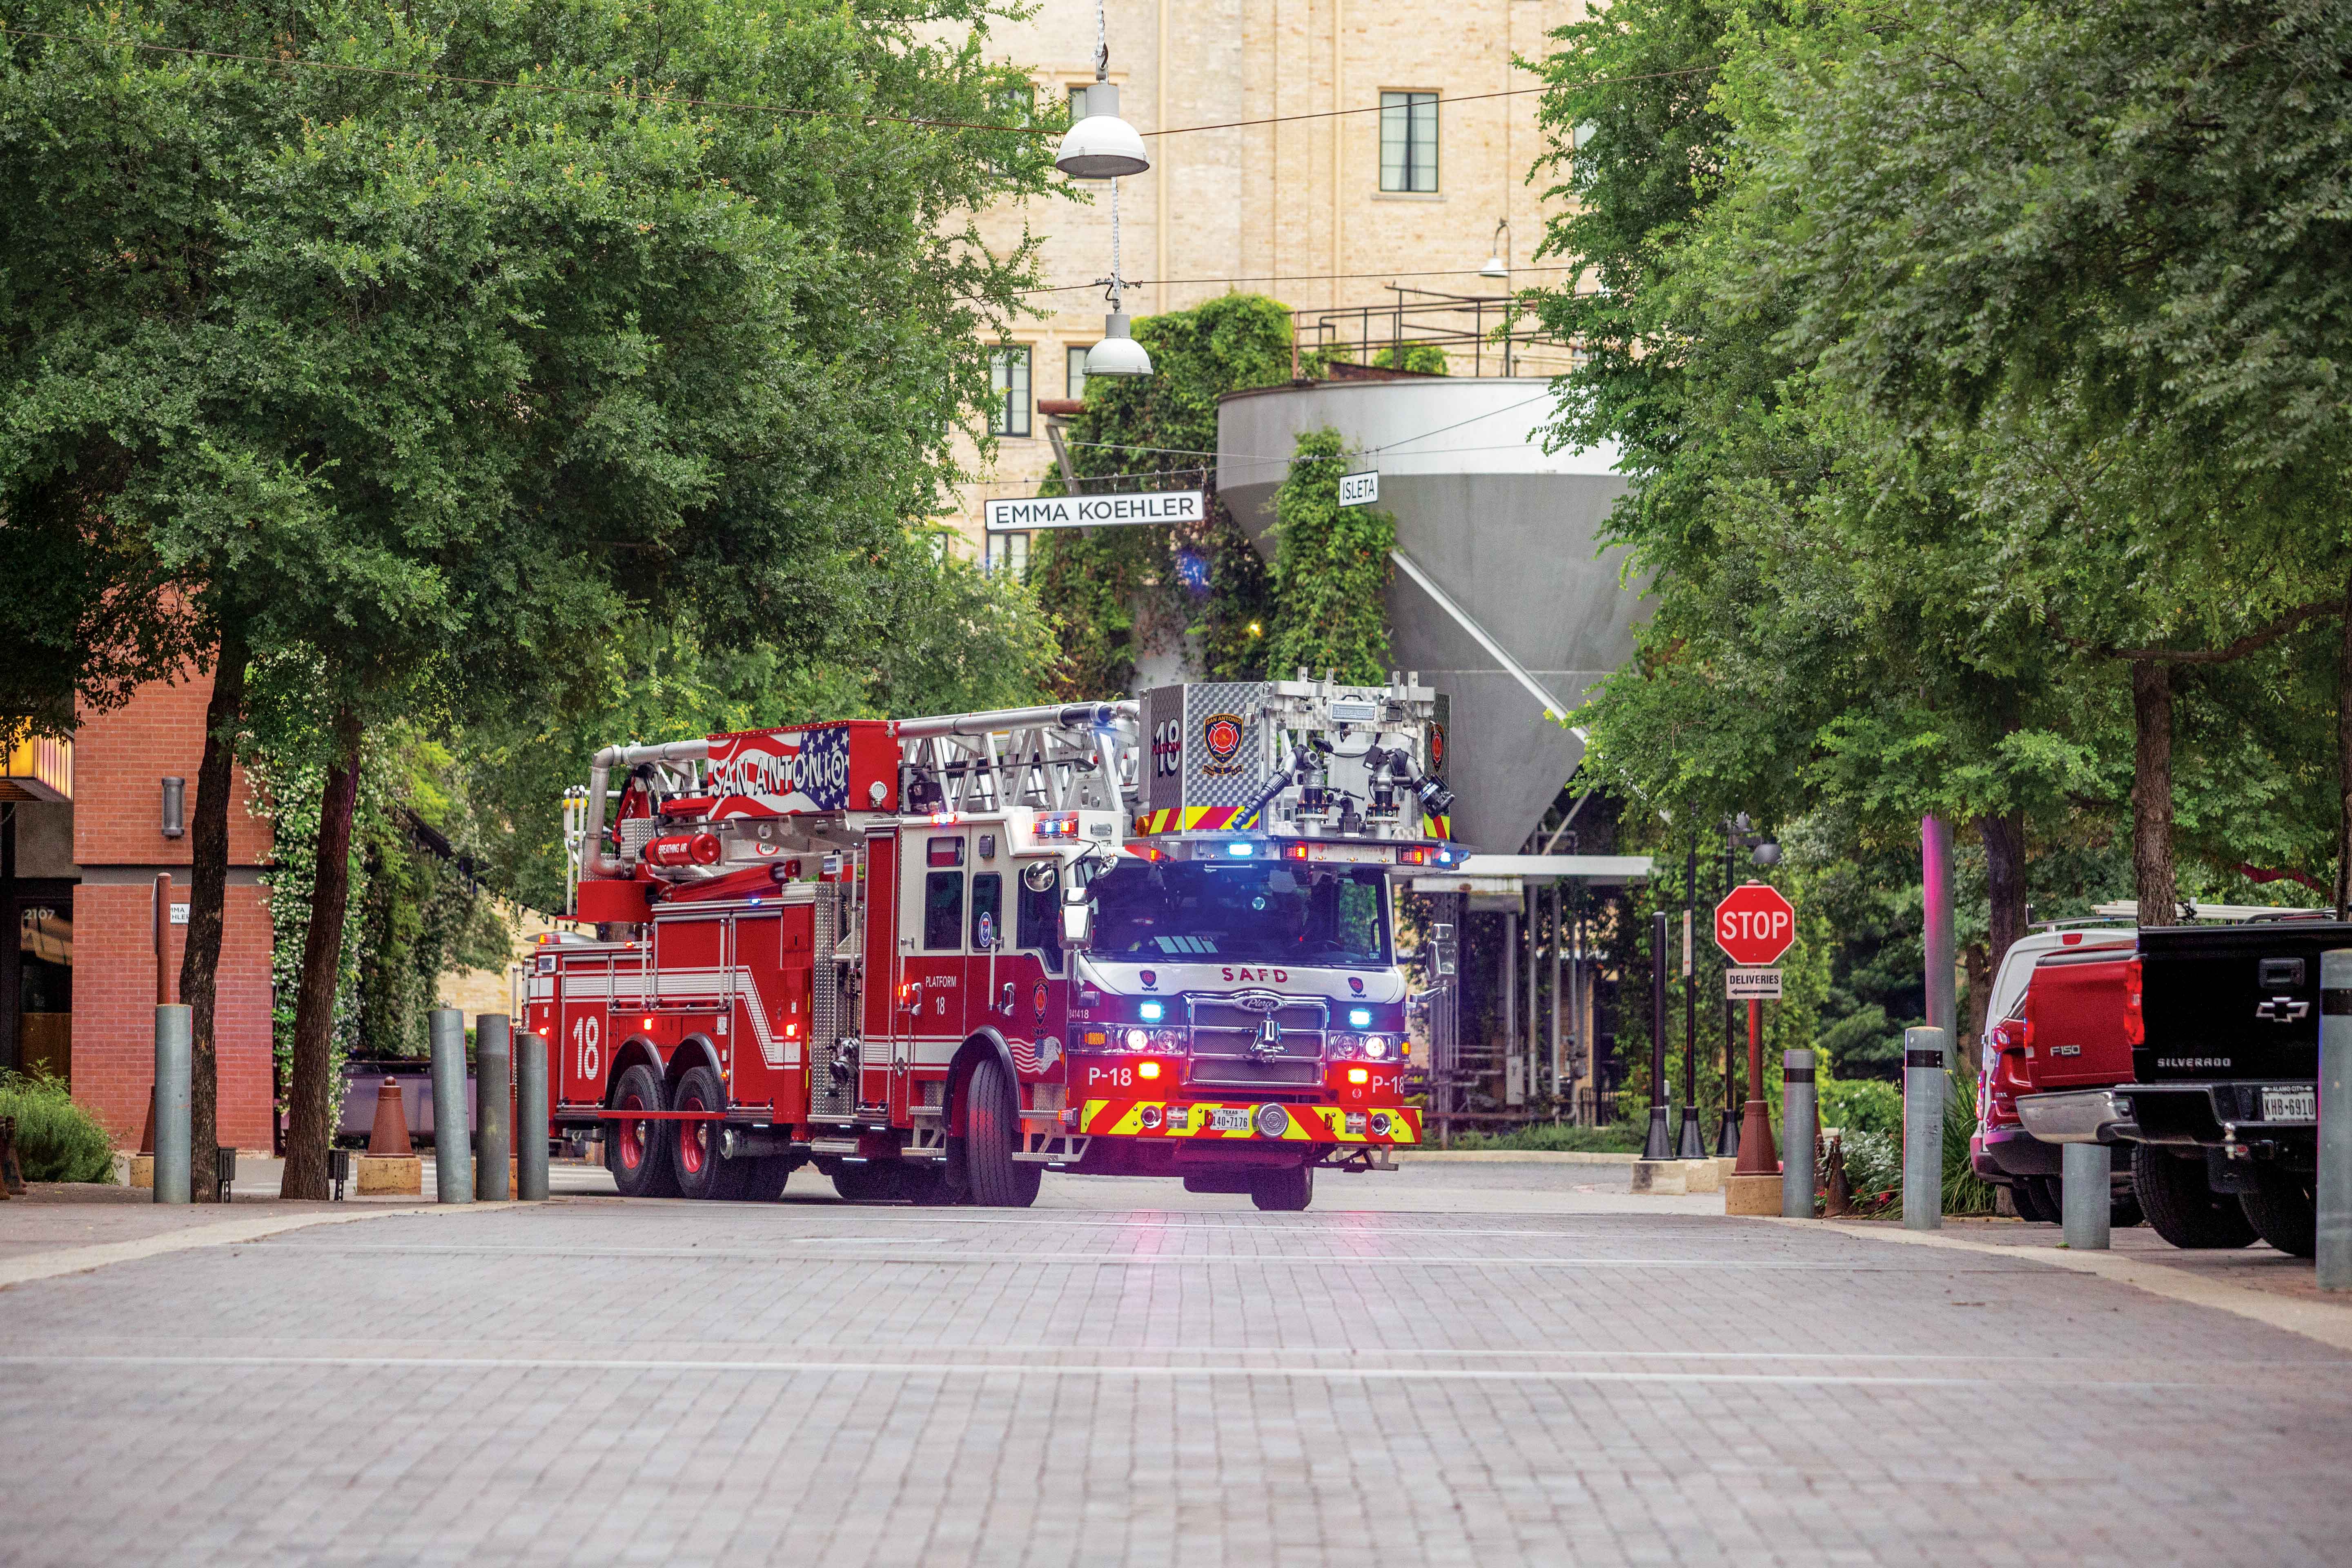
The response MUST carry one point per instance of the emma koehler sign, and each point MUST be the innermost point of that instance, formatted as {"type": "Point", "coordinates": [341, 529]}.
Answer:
{"type": "Point", "coordinates": [1019, 516]}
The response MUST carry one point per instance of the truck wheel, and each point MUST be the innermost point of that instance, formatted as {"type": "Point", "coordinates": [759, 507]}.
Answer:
{"type": "Point", "coordinates": [2283, 1209]}
{"type": "Point", "coordinates": [866, 1184]}
{"type": "Point", "coordinates": [702, 1171]}
{"type": "Point", "coordinates": [2179, 1205]}
{"type": "Point", "coordinates": [992, 1132]}
{"type": "Point", "coordinates": [641, 1153]}
{"type": "Point", "coordinates": [2034, 1204]}
{"type": "Point", "coordinates": [1283, 1192]}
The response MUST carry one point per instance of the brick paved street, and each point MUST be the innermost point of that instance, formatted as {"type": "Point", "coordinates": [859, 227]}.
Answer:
{"type": "Point", "coordinates": [597, 1381]}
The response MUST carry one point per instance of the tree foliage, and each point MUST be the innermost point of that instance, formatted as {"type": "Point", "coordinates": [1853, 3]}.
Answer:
{"type": "Point", "coordinates": [1332, 573]}
{"type": "Point", "coordinates": [1118, 595]}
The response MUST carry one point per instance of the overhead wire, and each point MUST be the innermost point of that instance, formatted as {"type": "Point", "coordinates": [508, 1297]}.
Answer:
{"type": "Point", "coordinates": [615, 91]}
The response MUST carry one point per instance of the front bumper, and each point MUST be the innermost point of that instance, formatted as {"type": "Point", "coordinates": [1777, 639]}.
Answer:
{"type": "Point", "coordinates": [2075, 1116]}
{"type": "Point", "coordinates": [1195, 1118]}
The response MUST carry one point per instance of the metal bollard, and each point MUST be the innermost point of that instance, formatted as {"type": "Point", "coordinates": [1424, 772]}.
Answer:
{"type": "Point", "coordinates": [1922, 1128]}
{"type": "Point", "coordinates": [493, 1105]}
{"type": "Point", "coordinates": [453, 1152]}
{"type": "Point", "coordinates": [174, 1135]}
{"type": "Point", "coordinates": [530, 1118]}
{"type": "Point", "coordinates": [1800, 1128]}
{"type": "Point", "coordinates": [2333, 1188]}
{"type": "Point", "coordinates": [2085, 1201]}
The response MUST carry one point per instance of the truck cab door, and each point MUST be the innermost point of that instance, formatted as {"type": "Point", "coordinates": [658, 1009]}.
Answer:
{"type": "Point", "coordinates": [934, 899]}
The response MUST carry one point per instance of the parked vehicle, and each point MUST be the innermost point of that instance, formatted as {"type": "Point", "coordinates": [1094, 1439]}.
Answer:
{"type": "Point", "coordinates": [2221, 1112]}
{"type": "Point", "coordinates": [2056, 1012]}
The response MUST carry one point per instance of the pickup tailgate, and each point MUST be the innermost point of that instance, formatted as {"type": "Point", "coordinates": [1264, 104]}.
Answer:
{"type": "Point", "coordinates": [2232, 1002]}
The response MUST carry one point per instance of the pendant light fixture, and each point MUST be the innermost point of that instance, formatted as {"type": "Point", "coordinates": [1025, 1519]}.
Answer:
{"type": "Point", "coordinates": [1102, 146]}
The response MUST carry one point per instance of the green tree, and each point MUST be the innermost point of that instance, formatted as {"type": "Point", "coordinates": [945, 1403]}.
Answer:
{"type": "Point", "coordinates": [2103, 250]}
{"type": "Point", "coordinates": [443, 382]}
{"type": "Point", "coordinates": [1331, 572]}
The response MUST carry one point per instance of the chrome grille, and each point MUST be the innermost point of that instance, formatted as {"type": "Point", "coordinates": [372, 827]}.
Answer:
{"type": "Point", "coordinates": [1224, 1035]}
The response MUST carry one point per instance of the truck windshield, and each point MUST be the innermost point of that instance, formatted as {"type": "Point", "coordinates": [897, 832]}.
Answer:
{"type": "Point", "coordinates": [1245, 914]}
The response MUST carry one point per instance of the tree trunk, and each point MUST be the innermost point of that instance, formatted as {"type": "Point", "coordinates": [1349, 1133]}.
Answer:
{"type": "Point", "coordinates": [2152, 881]}
{"type": "Point", "coordinates": [310, 1108]}
{"type": "Point", "coordinates": [2344, 758]}
{"type": "Point", "coordinates": [207, 896]}
{"type": "Point", "coordinates": [1977, 964]}
{"type": "Point", "coordinates": [2003, 838]}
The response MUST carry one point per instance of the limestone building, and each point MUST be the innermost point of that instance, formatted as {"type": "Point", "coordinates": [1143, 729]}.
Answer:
{"type": "Point", "coordinates": [1320, 152]}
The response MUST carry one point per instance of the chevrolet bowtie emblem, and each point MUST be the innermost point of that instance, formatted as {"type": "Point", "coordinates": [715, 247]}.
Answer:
{"type": "Point", "coordinates": [2282, 1009]}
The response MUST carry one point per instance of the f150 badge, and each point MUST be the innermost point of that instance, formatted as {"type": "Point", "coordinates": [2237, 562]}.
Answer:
{"type": "Point", "coordinates": [2282, 1009]}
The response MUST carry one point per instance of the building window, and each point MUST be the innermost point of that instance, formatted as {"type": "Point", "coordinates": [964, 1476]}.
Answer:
{"type": "Point", "coordinates": [1408, 142]}
{"type": "Point", "coordinates": [1075, 366]}
{"type": "Point", "coordinates": [1077, 104]}
{"type": "Point", "coordinates": [1009, 552]}
{"type": "Point", "coordinates": [1008, 376]}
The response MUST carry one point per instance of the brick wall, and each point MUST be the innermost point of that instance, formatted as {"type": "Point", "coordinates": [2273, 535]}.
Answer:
{"type": "Point", "coordinates": [119, 758]}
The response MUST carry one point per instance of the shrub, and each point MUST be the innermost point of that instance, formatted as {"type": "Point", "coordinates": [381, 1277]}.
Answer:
{"type": "Point", "coordinates": [1863, 1105]}
{"type": "Point", "coordinates": [56, 1140]}
{"type": "Point", "coordinates": [1874, 1157]}
{"type": "Point", "coordinates": [1557, 1138]}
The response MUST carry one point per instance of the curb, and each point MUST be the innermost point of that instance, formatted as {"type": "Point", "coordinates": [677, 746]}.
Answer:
{"type": "Point", "coordinates": [82, 1260]}
{"type": "Point", "coordinates": [2326, 1322]}
{"type": "Point", "coordinates": [1509, 1157]}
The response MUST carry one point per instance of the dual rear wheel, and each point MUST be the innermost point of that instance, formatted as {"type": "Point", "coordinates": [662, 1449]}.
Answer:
{"type": "Point", "coordinates": [680, 1158]}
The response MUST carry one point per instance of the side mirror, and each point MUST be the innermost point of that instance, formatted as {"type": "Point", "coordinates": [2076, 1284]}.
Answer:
{"type": "Point", "coordinates": [1078, 925]}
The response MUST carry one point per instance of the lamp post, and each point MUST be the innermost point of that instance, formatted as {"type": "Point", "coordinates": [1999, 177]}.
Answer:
{"type": "Point", "coordinates": [1102, 146]}
{"type": "Point", "coordinates": [1689, 1144]}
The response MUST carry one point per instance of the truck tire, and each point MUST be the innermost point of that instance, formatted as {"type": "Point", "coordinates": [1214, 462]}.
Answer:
{"type": "Point", "coordinates": [1286, 1191]}
{"type": "Point", "coordinates": [702, 1171]}
{"type": "Point", "coordinates": [992, 1132]}
{"type": "Point", "coordinates": [2283, 1210]}
{"type": "Point", "coordinates": [2034, 1204]}
{"type": "Point", "coordinates": [641, 1153]}
{"type": "Point", "coordinates": [2179, 1205]}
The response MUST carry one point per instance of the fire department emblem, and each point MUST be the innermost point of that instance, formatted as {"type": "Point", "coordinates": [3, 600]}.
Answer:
{"type": "Point", "coordinates": [1437, 749]}
{"type": "Point", "coordinates": [1040, 996]}
{"type": "Point", "coordinates": [1356, 983]}
{"type": "Point", "coordinates": [1221, 734]}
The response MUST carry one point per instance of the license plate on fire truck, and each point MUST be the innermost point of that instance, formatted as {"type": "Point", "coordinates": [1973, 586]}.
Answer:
{"type": "Point", "coordinates": [2290, 1104]}
{"type": "Point", "coordinates": [1235, 1118]}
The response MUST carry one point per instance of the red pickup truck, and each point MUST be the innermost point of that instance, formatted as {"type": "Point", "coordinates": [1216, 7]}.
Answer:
{"type": "Point", "coordinates": [2059, 1006]}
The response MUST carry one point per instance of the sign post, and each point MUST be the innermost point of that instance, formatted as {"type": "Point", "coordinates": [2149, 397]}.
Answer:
{"type": "Point", "coordinates": [1754, 926]}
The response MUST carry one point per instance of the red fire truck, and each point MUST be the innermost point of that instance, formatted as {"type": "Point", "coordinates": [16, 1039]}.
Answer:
{"type": "Point", "coordinates": [937, 957]}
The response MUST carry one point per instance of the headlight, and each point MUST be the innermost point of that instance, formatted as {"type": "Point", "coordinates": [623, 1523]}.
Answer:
{"type": "Point", "coordinates": [1344, 1046]}
{"type": "Point", "coordinates": [1168, 1040]}
{"type": "Point", "coordinates": [1137, 1040]}
{"type": "Point", "coordinates": [1376, 1046]}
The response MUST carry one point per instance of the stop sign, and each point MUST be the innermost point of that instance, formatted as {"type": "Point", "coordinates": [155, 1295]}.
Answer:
{"type": "Point", "coordinates": [1754, 925]}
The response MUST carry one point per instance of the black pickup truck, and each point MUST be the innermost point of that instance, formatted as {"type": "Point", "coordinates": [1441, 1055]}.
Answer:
{"type": "Point", "coordinates": [2222, 1114]}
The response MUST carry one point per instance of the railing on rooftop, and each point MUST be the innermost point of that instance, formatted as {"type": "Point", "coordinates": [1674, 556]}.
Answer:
{"type": "Point", "coordinates": [1470, 334]}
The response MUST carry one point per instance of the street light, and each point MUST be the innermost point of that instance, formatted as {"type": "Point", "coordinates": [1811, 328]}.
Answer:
{"type": "Point", "coordinates": [1102, 146]}
{"type": "Point", "coordinates": [1498, 265]}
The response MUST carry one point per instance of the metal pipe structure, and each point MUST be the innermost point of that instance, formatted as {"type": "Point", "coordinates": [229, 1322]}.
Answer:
{"type": "Point", "coordinates": [2085, 1202]}
{"type": "Point", "coordinates": [1799, 1131]}
{"type": "Point", "coordinates": [174, 1144]}
{"type": "Point", "coordinates": [1660, 1144]}
{"type": "Point", "coordinates": [1924, 1078]}
{"type": "Point", "coordinates": [2332, 1187]}
{"type": "Point", "coordinates": [1558, 925]}
{"type": "Point", "coordinates": [1510, 1008]}
{"type": "Point", "coordinates": [453, 1152]}
{"type": "Point", "coordinates": [1726, 1139]}
{"type": "Point", "coordinates": [530, 1118]}
{"type": "Point", "coordinates": [493, 1104]}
